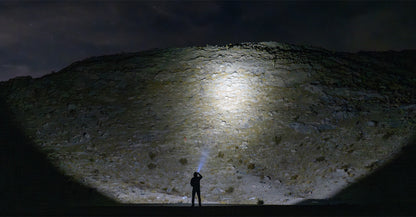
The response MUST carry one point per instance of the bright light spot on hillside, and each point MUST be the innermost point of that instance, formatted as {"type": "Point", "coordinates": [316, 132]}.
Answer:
{"type": "Point", "coordinates": [231, 89]}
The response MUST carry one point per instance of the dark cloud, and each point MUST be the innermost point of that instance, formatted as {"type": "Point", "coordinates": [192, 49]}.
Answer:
{"type": "Point", "coordinates": [38, 37]}
{"type": "Point", "coordinates": [384, 28]}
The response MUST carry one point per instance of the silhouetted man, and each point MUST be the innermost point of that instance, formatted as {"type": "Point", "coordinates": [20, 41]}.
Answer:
{"type": "Point", "coordinates": [196, 187]}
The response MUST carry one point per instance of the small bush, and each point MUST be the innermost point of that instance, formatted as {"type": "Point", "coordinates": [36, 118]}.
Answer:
{"type": "Point", "coordinates": [152, 155]}
{"type": "Point", "coordinates": [260, 202]}
{"type": "Point", "coordinates": [388, 135]}
{"type": "Point", "coordinates": [229, 190]}
{"type": "Point", "coordinates": [251, 166]}
{"type": "Point", "coordinates": [183, 161]}
{"type": "Point", "coordinates": [320, 159]}
{"type": "Point", "coordinates": [294, 177]}
{"type": "Point", "coordinates": [151, 166]}
{"type": "Point", "coordinates": [277, 139]}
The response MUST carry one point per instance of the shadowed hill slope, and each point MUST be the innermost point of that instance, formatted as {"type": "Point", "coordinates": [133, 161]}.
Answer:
{"type": "Point", "coordinates": [29, 182]}
{"type": "Point", "coordinates": [392, 184]}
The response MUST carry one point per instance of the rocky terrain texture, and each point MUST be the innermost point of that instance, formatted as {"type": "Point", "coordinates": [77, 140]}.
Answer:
{"type": "Point", "coordinates": [277, 123]}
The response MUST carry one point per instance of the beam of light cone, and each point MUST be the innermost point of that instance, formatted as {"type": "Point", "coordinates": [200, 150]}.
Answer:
{"type": "Point", "coordinates": [203, 159]}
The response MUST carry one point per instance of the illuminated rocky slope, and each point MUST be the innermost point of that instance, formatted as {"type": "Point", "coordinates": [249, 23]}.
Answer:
{"type": "Point", "coordinates": [278, 122]}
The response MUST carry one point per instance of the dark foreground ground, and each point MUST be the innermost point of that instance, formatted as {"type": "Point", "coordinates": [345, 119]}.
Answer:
{"type": "Point", "coordinates": [223, 210]}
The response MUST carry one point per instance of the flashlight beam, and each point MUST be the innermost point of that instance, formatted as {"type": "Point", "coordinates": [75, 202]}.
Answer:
{"type": "Point", "coordinates": [204, 156]}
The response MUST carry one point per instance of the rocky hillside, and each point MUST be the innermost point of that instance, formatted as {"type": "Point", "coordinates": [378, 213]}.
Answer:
{"type": "Point", "coordinates": [277, 122]}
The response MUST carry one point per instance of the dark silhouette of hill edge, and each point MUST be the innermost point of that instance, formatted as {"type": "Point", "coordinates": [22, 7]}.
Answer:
{"type": "Point", "coordinates": [29, 182]}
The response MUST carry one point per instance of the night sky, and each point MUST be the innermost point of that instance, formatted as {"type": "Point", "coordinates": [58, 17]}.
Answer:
{"type": "Point", "coordinates": [38, 37]}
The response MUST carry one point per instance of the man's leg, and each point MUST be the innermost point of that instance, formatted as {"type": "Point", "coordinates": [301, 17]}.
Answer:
{"type": "Point", "coordinates": [199, 197]}
{"type": "Point", "coordinates": [193, 196]}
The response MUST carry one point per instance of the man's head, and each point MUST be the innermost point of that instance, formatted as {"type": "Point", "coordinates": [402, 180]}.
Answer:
{"type": "Point", "coordinates": [195, 174]}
